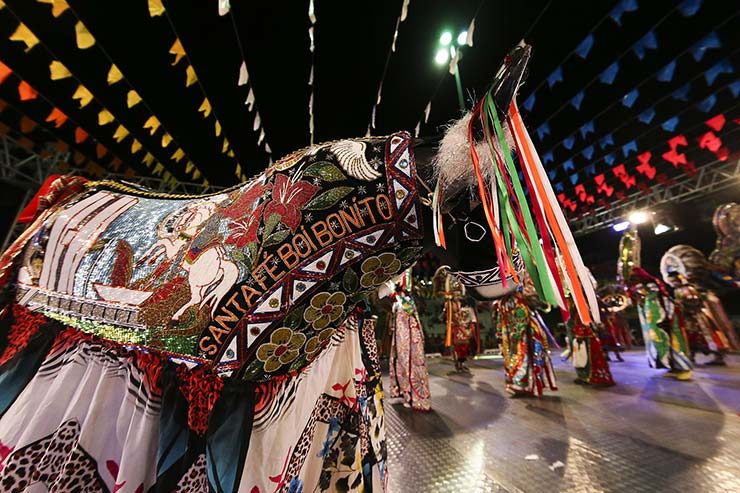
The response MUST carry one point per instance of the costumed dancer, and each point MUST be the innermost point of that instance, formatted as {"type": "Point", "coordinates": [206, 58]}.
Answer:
{"type": "Point", "coordinates": [612, 306]}
{"type": "Point", "coordinates": [408, 370]}
{"type": "Point", "coordinates": [588, 356]}
{"type": "Point", "coordinates": [665, 339]}
{"type": "Point", "coordinates": [458, 329]}
{"type": "Point", "coordinates": [524, 344]}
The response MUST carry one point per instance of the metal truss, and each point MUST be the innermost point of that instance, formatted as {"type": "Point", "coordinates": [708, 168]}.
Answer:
{"type": "Point", "coordinates": [709, 179]}
{"type": "Point", "coordinates": [28, 170]}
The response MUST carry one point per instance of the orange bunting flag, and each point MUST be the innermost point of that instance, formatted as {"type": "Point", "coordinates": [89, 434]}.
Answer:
{"type": "Point", "coordinates": [105, 117]}
{"type": "Point", "coordinates": [61, 146]}
{"type": "Point", "coordinates": [152, 124]}
{"type": "Point", "coordinates": [27, 125]}
{"type": "Point", "coordinates": [155, 8]}
{"type": "Point", "coordinates": [132, 98]}
{"type": "Point", "coordinates": [57, 117]}
{"type": "Point", "coordinates": [129, 173]}
{"type": "Point", "coordinates": [26, 143]}
{"type": "Point", "coordinates": [80, 135]}
{"type": "Point", "coordinates": [57, 6]}
{"type": "Point", "coordinates": [166, 139]}
{"type": "Point", "coordinates": [100, 150]}
{"type": "Point", "coordinates": [26, 92]}
{"type": "Point", "coordinates": [82, 95]}
{"type": "Point", "coordinates": [114, 75]}
{"type": "Point", "coordinates": [4, 72]}
{"type": "Point", "coordinates": [116, 164]}
{"type": "Point", "coordinates": [3, 104]}
{"type": "Point", "coordinates": [79, 158]}
{"type": "Point", "coordinates": [58, 70]}
{"type": "Point", "coordinates": [205, 108]}
{"type": "Point", "coordinates": [85, 40]}
{"type": "Point", "coordinates": [178, 155]}
{"type": "Point", "coordinates": [135, 146]}
{"type": "Point", "coordinates": [191, 78]}
{"type": "Point", "coordinates": [177, 50]}
{"type": "Point", "coordinates": [148, 159]}
{"type": "Point", "coordinates": [121, 133]}
{"type": "Point", "coordinates": [24, 35]}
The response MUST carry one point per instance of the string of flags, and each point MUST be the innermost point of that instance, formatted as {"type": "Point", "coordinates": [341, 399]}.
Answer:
{"type": "Point", "coordinates": [224, 8]}
{"type": "Point", "coordinates": [687, 8]}
{"type": "Point", "coordinates": [379, 96]}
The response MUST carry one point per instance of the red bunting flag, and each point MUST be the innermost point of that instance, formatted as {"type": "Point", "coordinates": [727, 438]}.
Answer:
{"type": "Point", "coordinates": [26, 92]}
{"type": "Point", "coordinates": [80, 135]}
{"type": "Point", "coordinates": [645, 168]}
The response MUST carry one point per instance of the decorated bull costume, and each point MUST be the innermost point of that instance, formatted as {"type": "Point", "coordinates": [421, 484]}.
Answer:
{"type": "Point", "coordinates": [152, 342]}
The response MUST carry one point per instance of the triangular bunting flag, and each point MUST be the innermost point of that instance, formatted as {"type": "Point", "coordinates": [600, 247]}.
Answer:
{"type": "Point", "coordinates": [120, 134]}
{"type": "Point", "coordinates": [223, 7]}
{"type": "Point", "coordinates": [26, 92]}
{"type": "Point", "coordinates": [85, 40]}
{"type": "Point", "coordinates": [166, 139]}
{"type": "Point", "coordinates": [27, 125]}
{"type": "Point", "coordinates": [100, 150]}
{"type": "Point", "coordinates": [58, 7]}
{"type": "Point", "coordinates": [57, 117]}
{"type": "Point", "coordinates": [105, 117]}
{"type": "Point", "coordinates": [152, 123]}
{"type": "Point", "coordinates": [24, 35]}
{"type": "Point", "coordinates": [177, 50]}
{"type": "Point", "coordinates": [178, 155]}
{"type": "Point", "coordinates": [135, 146]}
{"type": "Point", "coordinates": [80, 135]}
{"type": "Point", "coordinates": [205, 108]}
{"type": "Point", "coordinates": [250, 100]}
{"type": "Point", "coordinates": [58, 71]}
{"type": "Point", "coordinates": [132, 98]}
{"type": "Point", "coordinates": [155, 8]}
{"type": "Point", "coordinates": [4, 72]}
{"type": "Point", "coordinates": [217, 128]}
{"type": "Point", "coordinates": [114, 75]}
{"type": "Point", "coordinates": [243, 74]}
{"type": "Point", "coordinates": [190, 77]}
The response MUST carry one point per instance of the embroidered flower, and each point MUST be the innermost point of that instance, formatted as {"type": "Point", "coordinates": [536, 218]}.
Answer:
{"type": "Point", "coordinates": [288, 199]}
{"type": "Point", "coordinates": [244, 231]}
{"type": "Point", "coordinates": [283, 348]}
{"type": "Point", "coordinates": [325, 308]}
{"type": "Point", "coordinates": [317, 342]}
{"type": "Point", "coordinates": [377, 270]}
{"type": "Point", "coordinates": [246, 202]}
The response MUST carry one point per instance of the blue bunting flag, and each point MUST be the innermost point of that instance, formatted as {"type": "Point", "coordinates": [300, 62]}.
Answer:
{"type": "Point", "coordinates": [543, 130]}
{"type": "Point", "coordinates": [606, 140]}
{"type": "Point", "coordinates": [587, 128]}
{"type": "Point", "coordinates": [670, 124]}
{"type": "Point", "coordinates": [682, 93]}
{"type": "Point", "coordinates": [707, 104]}
{"type": "Point", "coordinates": [723, 67]}
{"type": "Point", "coordinates": [569, 141]}
{"type": "Point", "coordinates": [666, 73]}
{"type": "Point", "coordinates": [574, 178]}
{"type": "Point", "coordinates": [609, 158]}
{"type": "Point", "coordinates": [555, 77]}
{"type": "Point", "coordinates": [529, 102]}
{"type": "Point", "coordinates": [711, 41]}
{"type": "Point", "coordinates": [647, 116]}
{"type": "Point", "coordinates": [628, 147]}
{"type": "Point", "coordinates": [588, 152]}
{"type": "Point", "coordinates": [647, 42]}
{"type": "Point", "coordinates": [622, 7]}
{"type": "Point", "coordinates": [584, 47]}
{"type": "Point", "coordinates": [629, 99]}
{"type": "Point", "coordinates": [689, 7]}
{"type": "Point", "coordinates": [577, 100]}
{"type": "Point", "coordinates": [608, 75]}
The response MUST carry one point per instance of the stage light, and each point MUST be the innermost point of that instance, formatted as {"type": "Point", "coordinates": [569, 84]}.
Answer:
{"type": "Point", "coordinates": [621, 226]}
{"type": "Point", "coordinates": [661, 228]}
{"type": "Point", "coordinates": [446, 38]}
{"type": "Point", "coordinates": [442, 56]}
{"type": "Point", "coordinates": [638, 217]}
{"type": "Point", "coordinates": [462, 38]}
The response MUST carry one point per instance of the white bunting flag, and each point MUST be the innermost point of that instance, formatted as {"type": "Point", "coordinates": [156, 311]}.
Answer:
{"type": "Point", "coordinates": [257, 121]}
{"type": "Point", "coordinates": [250, 99]}
{"type": "Point", "coordinates": [243, 74]}
{"type": "Point", "coordinates": [405, 9]}
{"type": "Point", "coordinates": [223, 7]}
{"type": "Point", "coordinates": [427, 110]}
{"type": "Point", "coordinates": [471, 30]}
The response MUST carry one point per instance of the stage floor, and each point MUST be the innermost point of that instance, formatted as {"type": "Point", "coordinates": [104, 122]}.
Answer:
{"type": "Point", "coordinates": [648, 433]}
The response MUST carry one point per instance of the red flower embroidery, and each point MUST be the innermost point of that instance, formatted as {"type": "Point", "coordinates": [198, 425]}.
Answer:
{"type": "Point", "coordinates": [288, 199]}
{"type": "Point", "coordinates": [202, 389]}
{"type": "Point", "coordinates": [244, 231]}
{"type": "Point", "coordinates": [245, 203]}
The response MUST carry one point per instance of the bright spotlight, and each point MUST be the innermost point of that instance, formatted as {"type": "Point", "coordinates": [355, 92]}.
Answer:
{"type": "Point", "coordinates": [661, 228]}
{"type": "Point", "coordinates": [638, 217]}
{"type": "Point", "coordinates": [462, 38]}
{"type": "Point", "coordinates": [621, 226]}
{"type": "Point", "coordinates": [446, 38]}
{"type": "Point", "coordinates": [442, 56]}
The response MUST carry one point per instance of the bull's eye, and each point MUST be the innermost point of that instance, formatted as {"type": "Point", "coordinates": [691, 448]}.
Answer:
{"type": "Point", "coordinates": [474, 232]}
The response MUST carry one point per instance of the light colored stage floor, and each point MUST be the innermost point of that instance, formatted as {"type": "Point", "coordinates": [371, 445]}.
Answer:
{"type": "Point", "coordinates": [649, 433]}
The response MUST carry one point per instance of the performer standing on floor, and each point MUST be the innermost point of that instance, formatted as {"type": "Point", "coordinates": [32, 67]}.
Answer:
{"type": "Point", "coordinates": [408, 370]}
{"type": "Point", "coordinates": [458, 325]}
{"type": "Point", "coordinates": [524, 344]}
{"type": "Point", "coordinates": [665, 340]}
{"type": "Point", "coordinates": [587, 353]}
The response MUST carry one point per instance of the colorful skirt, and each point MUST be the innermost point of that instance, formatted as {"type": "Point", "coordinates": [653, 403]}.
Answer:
{"type": "Point", "coordinates": [408, 369]}
{"type": "Point", "coordinates": [79, 410]}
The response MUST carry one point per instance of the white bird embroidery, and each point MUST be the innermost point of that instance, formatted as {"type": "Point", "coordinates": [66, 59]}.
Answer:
{"type": "Point", "coordinates": [351, 156]}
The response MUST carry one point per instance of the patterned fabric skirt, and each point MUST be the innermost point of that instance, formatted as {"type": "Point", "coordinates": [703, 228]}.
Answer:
{"type": "Point", "coordinates": [665, 348]}
{"type": "Point", "coordinates": [588, 356]}
{"type": "Point", "coordinates": [527, 362]}
{"type": "Point", "coordinates": [408, 369]}
{"type": "Point", "coordinates": [78, 413]}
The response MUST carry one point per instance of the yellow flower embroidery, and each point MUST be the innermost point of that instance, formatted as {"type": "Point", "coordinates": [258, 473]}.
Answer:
{"type": "Point", "coordinates": [283, 348]}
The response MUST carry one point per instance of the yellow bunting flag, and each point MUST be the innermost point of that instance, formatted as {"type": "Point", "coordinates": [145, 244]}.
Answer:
{"type": "Point", "coordinates": [206, 183]}
{"type": "Point", "coordinates": [132, 98]}
{"type": "Point", "coordinates": [158, 169]}
{"type": "Point", "coordinates": [166, 177]}
{"type": "Point", "coordinates": [155, 8]}
{"type": "Point", "coordinates": [148, 159]}
{"type": "Point", "coordinates": [189, 167]}
{"type": "Point", "coordinates": [26, 92]}
{"type": "Point", "coordinates": [24, 35]}
{"type": "Point", "coordinates": [105, 117]}
{"type": "Point", "coordinates": [177, 50]}
{"type": "Point", "coordinates": [57, 6]}
{"type": "Point", "coordinates": [80, 135]}
{"type": "Point", "coordinates": [218, 128]}
{"type": "Point", "coordinates": [196, 174]}
{"type": "Point", "coordinates": [135, 146]}
{"type": "Point", "coordinates": [85, 40]}
{"type": "Point", "coordinates": [2, 5]}
{"type": "Point", "coordinates": [178, 155]}
{"type": "Point", "coordinates": [238, 171]}
{"type": "Point", "coordinates": [83, 95]}
{"type": "Point", "coordinates": [114, 75]}
{"type": "Point", "coordinates": [191, 78]}
{"type": "Point", "coordinates": [205, 108]}
{"type": "Point", "coordinates": [58, 70]}
{"type": "Point", "coordinates": [27, 125]}
{"type": "Point", "coordinates": [57, 117]}
{"type": "Point", "coordinates": [166, 139]}
{"type": "Point", "coordinates": [152, 124]}
{"type": "Point", "coordinates": [100, 150]}
{"type": "Point", "coordinates": [121, 133]}
{"type": "Point", "coordinates": [230, 153]}
{"type": "Point", "coordinates": [225, 147]}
